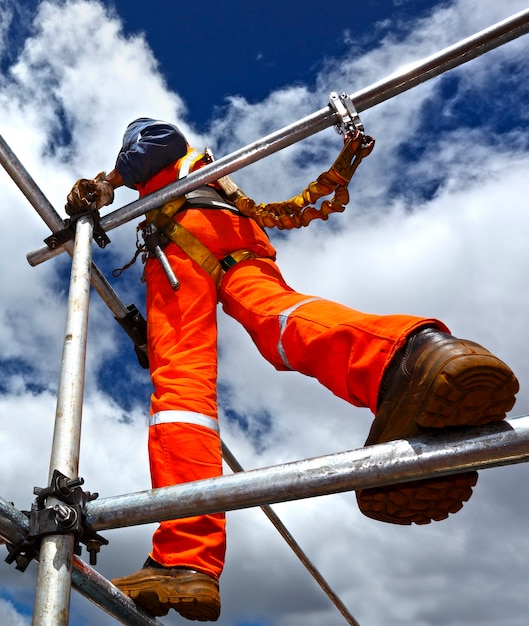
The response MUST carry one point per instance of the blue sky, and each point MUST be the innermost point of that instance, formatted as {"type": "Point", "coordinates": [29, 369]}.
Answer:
{"type": "Point", "coordinates": [437, 226]}
{"type": "Point", "coordinates": [224, 49]}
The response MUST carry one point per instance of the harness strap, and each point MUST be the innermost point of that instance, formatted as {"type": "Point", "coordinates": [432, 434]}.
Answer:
{"type": "Point", "coordinates": [207, 202]}
{"type": "Point", "coordinates": [187, 163]}
{"type": "Point", "coordinates": [197, 251]}
{"type": "Point", "coordinates": [207, 197]}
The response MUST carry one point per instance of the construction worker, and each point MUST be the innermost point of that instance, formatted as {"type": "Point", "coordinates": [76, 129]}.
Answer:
{"type": "Point", "coordinates": [410, 371]}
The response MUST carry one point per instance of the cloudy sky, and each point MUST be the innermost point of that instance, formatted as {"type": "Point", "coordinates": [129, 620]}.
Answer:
{"type": "Point", "coordinates": [437, 226]}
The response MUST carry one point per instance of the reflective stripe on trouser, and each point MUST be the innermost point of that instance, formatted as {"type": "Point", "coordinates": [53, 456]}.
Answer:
{"type": "Point", "coordinates": [183, 361]}
{"type": "Point", "coordinates": [179, 452]}
{"type": "Point", "coordinates": [345, 349]}
{"type": "Point", "coordinates": [182, 340]}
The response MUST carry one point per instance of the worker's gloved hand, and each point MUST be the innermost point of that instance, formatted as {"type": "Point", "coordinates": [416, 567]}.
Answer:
{"type": "Point", "coordinates": [86, 191]}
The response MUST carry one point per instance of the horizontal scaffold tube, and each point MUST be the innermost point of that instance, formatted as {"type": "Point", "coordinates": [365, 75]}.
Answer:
{"type": "Point", "coordinates": [397, 461]}
{"type": "Point", "coordinates": [14, 527]}
{"type": "Point", "coordinates": [396, 83]}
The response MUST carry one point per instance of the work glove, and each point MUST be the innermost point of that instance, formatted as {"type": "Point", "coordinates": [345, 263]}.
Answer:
{"type": "Point", "coordinates": [87, 191]}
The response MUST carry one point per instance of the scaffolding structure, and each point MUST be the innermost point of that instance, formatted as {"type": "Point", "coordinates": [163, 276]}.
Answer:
{"type": "Point", "coordinates": [65, 516]}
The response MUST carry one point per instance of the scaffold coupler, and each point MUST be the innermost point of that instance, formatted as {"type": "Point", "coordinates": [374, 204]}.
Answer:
{"type": "Point", "coordinates": [67, 516]}
{"type": "Point", "coordinates": [60, 237]}
{"type": "Point", "coordinates": [349, 119]}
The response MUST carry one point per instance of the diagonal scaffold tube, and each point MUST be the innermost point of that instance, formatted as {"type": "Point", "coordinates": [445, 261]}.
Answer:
{"type": "Point", "coordinates": [434, 460]}
{"type": "Point", "coordinates": [127, 316]}
{"type": "Point", "coordinates": [400, 81]}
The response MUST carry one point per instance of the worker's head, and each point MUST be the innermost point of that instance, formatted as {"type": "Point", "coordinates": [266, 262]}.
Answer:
{"type": "Point", "coordinates": [133, 131]}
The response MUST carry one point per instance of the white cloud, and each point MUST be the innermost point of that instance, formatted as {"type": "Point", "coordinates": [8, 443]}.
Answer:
{"type": "Point", "coordinates": [459, 255]}
{"type": "Point", "coordinates": [10, 617]}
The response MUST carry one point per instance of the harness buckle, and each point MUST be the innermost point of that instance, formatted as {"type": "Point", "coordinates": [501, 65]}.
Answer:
{"type": "Point", "coordinates": [154, 243]}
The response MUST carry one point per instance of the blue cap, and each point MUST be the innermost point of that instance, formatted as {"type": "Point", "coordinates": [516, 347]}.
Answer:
{"type": "Point", "coordinates": [134, 130]}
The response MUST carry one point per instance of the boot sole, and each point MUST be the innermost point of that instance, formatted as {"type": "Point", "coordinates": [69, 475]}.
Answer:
{"type": "Point", "coordinates": [471, 387]}
{"type": "Point", "coordinates": [193, 601]}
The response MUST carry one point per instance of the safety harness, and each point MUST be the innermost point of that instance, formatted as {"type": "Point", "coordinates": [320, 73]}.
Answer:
{"type": "Point", "coordinates": [160, 227]}
{"type": "Point", "coordinates": [301, 210]}
{"type": "Point", "coordinates": [204, 197]}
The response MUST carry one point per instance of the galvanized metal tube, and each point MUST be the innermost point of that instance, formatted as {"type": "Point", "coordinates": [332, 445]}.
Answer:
{"type": "Point", "coordinates": [235, 466]}
{"type": "Point", "coordinates": [14, 527]}
{"type": "Point", "coordinates": [395, 84]}
{"type": "Point", "coordinates": [52, 598]}
{"type": "Point", "coordinates": [109, 598]}
{"type": "Point", "coordinates": [53, 220]}
{"type": "Point", "coordinates": [400, 81]}
{"type": "Point", "coordinates": [397, 461]}
{"type": "Point", "coordinates": [13, 524]}
{"type": "Point", "coordinates": [54, 580]}
{"type": "Point", "coordinates": [67, 433]}
{"type": "Point", "coordinates": [29, 187]}
{"type": "Point", "coordinates": [465, 50]}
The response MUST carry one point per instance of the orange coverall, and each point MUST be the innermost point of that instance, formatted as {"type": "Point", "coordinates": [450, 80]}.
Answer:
{"type": "Point", "coordinates": [346, 350]}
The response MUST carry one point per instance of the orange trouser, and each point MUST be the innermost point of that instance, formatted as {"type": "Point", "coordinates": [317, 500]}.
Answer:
{"type": "Point", "coordinates": [346, 350]}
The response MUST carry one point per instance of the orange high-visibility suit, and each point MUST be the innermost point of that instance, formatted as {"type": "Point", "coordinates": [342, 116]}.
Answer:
{"type": "Point", "coordinates": [346, 350]}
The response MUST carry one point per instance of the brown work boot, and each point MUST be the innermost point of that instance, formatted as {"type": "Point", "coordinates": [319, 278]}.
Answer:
{"type": "Point", "coordinates": [435, 381]}
{"type": "Point", "coordinates": [157, 589]}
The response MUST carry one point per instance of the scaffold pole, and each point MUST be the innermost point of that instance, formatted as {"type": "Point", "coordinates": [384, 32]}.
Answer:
{"type": "Point", "coordinates": [393, 462]}
{"type": "Point", "coordinates": [52, 598]}
{"type": "Point", "coordinates": [53, 220]}
{"type": "Point", "coordinates": [395, 84]}
{"type": "Point", "coordinates": [451, 452]}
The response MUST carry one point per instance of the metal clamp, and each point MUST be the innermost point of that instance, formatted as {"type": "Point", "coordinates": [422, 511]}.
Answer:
{"type": "Point", "coordinates": [68, 516]}
{"type": "Point", "coordinates": [60, 237]}
{"type": "Point", "coordinates": [135, 326]}
{"type": "Point", "coordinates": [350, 120]}
{"type": "Point", "coordinates": [153, 241]}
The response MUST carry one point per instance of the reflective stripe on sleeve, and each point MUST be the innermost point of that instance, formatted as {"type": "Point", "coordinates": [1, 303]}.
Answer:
{"type": "Point", "coordinates": [185, 417]}
{"type": "Point", "coordinates": [187, 162]}
{"type": "Point", "coordinates": [283, 320]}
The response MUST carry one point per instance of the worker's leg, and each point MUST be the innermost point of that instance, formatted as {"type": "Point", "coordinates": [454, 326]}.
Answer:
{"type": "Point", "coordinates": [411, 374]}
{"type": "Point", "coordinates": [184, 442]}
{"type": "Point", "coordinates": [184, 445]}
{"type": "Point", "coordinates": [345, 349]}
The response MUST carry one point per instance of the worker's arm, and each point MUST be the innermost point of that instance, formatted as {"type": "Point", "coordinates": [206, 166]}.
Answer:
{"type": "Point", "coordinates": [87, 192]}
{"type": "Point", "coordinates": [149, 145]}
{"type": "Point", "coordinates": [115, 179]}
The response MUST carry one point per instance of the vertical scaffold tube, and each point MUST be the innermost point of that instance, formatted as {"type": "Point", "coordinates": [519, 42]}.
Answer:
{"type": "Point", "coordinates": [52, 598]}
